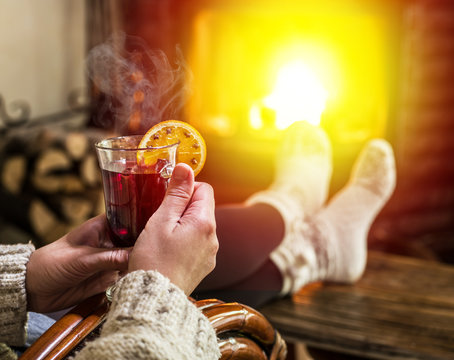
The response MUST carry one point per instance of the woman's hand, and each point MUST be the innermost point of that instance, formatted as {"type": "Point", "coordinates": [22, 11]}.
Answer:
{"type": "Point", "coordinates": [80, 264]}
{"type": "Point", "coordinates": [179, 239]}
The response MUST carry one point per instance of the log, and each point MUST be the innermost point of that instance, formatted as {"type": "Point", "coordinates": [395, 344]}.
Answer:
{"type": "Point", "coordinates": [52, 184]}
{"type": "Point", "coordinates": [51, 161]}
{"type": "Point", "coordinates": [45, 223]}
{"type": "Point", "coordinates": [56, 233]}
{"type": "Point", "coordinates": [13, 173]}
{"type": "Point", "coordinates": [89, 170]}
{"type": "Point", "coordinates": [100, 205]}
{"type": "Point", "coordinates": [76, 144]}
{"type": "Point", "coordinates": [50, 180]}
{"type": "Point", "coordinates": [76, 210]}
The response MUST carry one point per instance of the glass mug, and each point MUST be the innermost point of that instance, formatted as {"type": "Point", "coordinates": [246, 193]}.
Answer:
{"type": "Point", "coordinates": [132, 191]}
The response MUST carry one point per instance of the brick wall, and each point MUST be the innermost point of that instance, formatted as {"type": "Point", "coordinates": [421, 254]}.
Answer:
{"type": "Point", "coordinates": [419, 219]}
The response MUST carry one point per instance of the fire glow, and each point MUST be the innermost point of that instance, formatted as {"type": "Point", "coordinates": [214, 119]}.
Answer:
{"type": "Point", "coordinates": [257, 69]}
{"type": "Point", "coordinates": [297, 95]}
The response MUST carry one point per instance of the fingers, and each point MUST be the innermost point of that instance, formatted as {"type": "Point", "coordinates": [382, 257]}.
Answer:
{"type": "Point", "coordinates": [179, 192]}
{"type": "Point", "coordinates": [100, 282]}
{"type": "Point", "coordinates": [202, 205]}
{"type": "Point", "coordinates": [97, 260]}
{"type": "Point", "coordinates": [91, 233]}
{"type": "Point", "coordinates": [93, 285]}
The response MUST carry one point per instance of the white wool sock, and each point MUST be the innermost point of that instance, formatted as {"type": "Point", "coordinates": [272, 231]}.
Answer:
{"type": "Point", "coordinates": [333, 244]}
{"type": "Point", "coordinates": [302, 175]}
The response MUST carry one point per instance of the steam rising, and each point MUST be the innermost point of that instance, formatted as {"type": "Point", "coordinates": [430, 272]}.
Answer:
{"type": "Point", "coordinates": [138, 86]}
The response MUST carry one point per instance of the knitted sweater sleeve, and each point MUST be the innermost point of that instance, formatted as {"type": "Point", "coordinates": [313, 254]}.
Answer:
{"type": "Point", "coordinates": [150, 318]}
{"type": "Point", "coordinates": [13, 298]}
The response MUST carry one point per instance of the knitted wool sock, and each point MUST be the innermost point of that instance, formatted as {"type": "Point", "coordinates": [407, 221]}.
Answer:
{"type": "Point", "coordinates": [333, 244]}
{"type": "Point", "coordinates": [303, 173]}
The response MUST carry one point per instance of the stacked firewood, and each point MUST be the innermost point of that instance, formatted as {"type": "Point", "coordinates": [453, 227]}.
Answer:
{"type": "Point", "coordinates": [50, 180]}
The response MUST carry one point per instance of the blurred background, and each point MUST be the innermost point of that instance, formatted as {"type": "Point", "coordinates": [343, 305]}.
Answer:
{"type": "Point", "coordinates": [241, 72]}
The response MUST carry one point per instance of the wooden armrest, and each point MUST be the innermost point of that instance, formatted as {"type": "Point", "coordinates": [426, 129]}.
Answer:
{"type": "Point", "coordinates": [242, 332]}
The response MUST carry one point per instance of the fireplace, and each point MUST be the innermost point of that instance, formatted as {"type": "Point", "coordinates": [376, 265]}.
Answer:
{"type": "Point", "coordinates": [258, 66]}
{"type": "Point", "coordinates": [273, 63]}
{"type": "Point", "coordinates": [358, 69]}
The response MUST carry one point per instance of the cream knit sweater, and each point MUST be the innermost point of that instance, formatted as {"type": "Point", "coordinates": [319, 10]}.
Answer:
{"type": "Point", "coordinates": [150, 318]}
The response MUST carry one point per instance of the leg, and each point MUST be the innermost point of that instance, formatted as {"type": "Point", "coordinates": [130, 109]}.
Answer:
{"type": "Point", "coordinates": [249, 232]}
{"type": "Point", "coordinates": [266, 249]}
{"type": "Point", "coordinates": [244, 272]}
{"type": "Point", "coordinates": [247, 235]}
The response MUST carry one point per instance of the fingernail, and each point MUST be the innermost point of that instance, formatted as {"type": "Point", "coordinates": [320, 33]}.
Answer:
{"type": "Point", "coordinates": [180, 173]}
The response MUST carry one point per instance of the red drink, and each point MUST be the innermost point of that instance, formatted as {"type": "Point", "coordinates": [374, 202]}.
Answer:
{"type": "Point", "coordinates": [131, 197]}
{"type": "Point", "coordinates": [135, 181]}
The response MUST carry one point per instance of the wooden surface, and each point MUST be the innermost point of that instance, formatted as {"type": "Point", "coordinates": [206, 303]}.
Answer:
{"type": "Point", "coordinates": [402, 308]}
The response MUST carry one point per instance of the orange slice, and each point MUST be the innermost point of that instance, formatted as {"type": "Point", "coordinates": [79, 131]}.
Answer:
{"type": "Point", "coordinates": [191, 149]}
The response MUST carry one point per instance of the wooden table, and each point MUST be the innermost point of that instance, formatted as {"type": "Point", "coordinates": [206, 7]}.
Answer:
{"type": "Point", "coordinates": [402, 308]}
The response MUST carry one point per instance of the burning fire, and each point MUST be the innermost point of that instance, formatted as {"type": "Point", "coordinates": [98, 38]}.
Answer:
{"type": "Point", "coordinates": [297, 95]}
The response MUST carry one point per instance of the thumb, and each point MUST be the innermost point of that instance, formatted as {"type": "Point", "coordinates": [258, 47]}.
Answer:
{"type": "Point", "coordinates": [179, 191]}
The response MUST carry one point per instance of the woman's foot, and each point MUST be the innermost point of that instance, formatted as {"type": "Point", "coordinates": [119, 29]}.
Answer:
{"type": "Point", "coordinates": [302, 175]}
{"type": "Point", "coordinates": [332, 245]}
